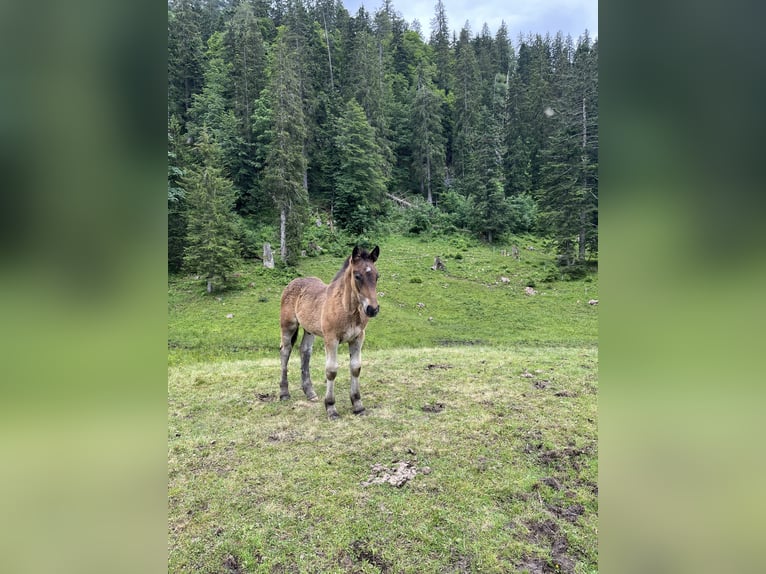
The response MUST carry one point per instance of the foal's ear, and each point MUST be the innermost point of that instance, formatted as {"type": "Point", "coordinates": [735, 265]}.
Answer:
{"type": "Point", "coordinates": [355, 253]}
{"type": "Point", "coordinates": [374, 254]}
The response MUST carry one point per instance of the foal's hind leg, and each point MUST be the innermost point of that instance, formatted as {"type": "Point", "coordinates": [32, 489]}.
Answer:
{"type": "Point", "coordinates": [289, 335]}
{"type": "Point", "coordinates": [307, 345]}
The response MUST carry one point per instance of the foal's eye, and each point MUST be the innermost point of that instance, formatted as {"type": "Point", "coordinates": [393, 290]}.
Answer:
{"type": "Point", "coordinates": [358, 276]}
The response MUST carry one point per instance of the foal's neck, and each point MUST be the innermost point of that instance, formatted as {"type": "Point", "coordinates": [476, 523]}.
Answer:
{"type": "Point", "coordinates": [348, 294]}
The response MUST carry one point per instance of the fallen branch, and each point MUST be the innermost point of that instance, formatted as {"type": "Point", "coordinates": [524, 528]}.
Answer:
{"type": "Point", "coordinates": [399, 200]}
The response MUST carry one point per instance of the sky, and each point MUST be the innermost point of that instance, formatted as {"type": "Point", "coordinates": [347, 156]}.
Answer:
{"type": "Point", "coordinates": [521, 16]}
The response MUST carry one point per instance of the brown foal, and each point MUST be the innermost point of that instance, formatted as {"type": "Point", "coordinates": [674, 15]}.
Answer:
{"type": "Point", "coordinates": [338, 313]}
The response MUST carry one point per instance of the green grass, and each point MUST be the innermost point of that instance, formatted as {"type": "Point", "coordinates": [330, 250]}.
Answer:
{"type": "Point", "coordinates": [492, 390]}
{"type": "Point", "coordinates": [469, 304]}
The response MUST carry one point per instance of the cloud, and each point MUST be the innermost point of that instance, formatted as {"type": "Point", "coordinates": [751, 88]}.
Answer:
{"type": "Point", "coordinates": [521, 16]}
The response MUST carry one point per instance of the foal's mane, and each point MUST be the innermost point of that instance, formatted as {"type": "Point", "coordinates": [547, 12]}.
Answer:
{"type": "Point", "coordinates": [340, 273]}
{"type": "Point", "coordinates": [363, 254]}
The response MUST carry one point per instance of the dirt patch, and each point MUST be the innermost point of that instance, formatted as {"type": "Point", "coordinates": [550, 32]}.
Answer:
{"type": "Point", "coordinates": [533, 447]}
{"type": "Point", "coordinates": [560, 458]}
{"type": "Point", "coordinates": [361, 552]}
{"type": "Point", "coordinates": [537, 565]}
{"type": "Point", "coordinates": [399, 475]}
{"type": "Point", "coordinates": [512, 497]}
{"type": "Point", "coordinates": [569, 513]}
{"type": "Point", "coordinates": [567, 394]}
{"type": "Point", "coordinates": [231, 564]}
{"type": "Point", "coordinates": [546, 533]}
{"type": "Point", "coordinates": [534, 565]}
{"type": "Point", "coordinates": [266, 397]}
{"type": "Point", "coordinates": [433, 407]}
{"type": "Point", "coordinates": [432, 366]}
{"type": "Point", "coordinates": [542, 531]}
{"type": "Point", "coordinates": [551, 481]}
{"type": "Point", "coordinates": [459, 564]}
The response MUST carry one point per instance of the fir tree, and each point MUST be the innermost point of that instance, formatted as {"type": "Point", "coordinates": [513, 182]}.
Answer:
{"type": "Point", "coordinates": [569, 194]}
{"type": "Point", "coordinates": [441, 46]}
{"type": "Point", "coordinates": [176, 197]}
{"type": "Point", "coordinates": [210, 109]}
{"type": "Point", "coordinates": [360, 181]}
{"type": "Point", "coordinates": [492, 209]}
{"type": "Point", "coordinates": [279, 117]}
{"type": "Point", "coordinates": [212, 249]}
{"type": "Point", "coordinates": [467, 103]}
{"type": "Point", "coordinates": [185, 56]}
{"type": "Point", "coordinates": [427, 139]}
{"type": "Point", "coordinates": [245, 52]}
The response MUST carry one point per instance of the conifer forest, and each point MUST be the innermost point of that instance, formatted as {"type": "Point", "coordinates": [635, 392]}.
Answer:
{"type": "Point", "coordinates": [285, 116]}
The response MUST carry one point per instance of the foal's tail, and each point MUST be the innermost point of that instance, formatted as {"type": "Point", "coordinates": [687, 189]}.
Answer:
{"type": "Point", "coordinates": [295, 337]}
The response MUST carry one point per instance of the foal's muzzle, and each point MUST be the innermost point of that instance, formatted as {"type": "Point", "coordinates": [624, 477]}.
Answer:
{"type": "Point", "coordinates": [371, 311]}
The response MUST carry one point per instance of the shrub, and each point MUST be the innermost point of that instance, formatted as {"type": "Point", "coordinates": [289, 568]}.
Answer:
{"type": "Point", "coordinates": [574, 272]}
{"type": "Point", "coordinates": [523, 213]}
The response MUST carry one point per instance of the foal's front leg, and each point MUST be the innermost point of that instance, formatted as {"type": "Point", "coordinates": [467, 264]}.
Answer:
{"type": "Point", "coordinates": [355, 363]}
{"type": "Point", "coordinates": [331, 371]}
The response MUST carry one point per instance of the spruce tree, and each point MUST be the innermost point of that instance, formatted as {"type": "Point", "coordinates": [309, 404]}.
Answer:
{"type": "Point", "coordinates": [245, 52]}
{"type": "Point", "coordinates": [441, 46]}
{"type": "Point", "coordinates": [427, 139]}
{"type": "Point", "coordinates": [176, 197]}
{"type": "Point", "coordinates": [504, 53]}
{"type": "Point", "coordinates": [280, 120]}
{"type": "Point", "coordinates": [210, 109]}
{"type": "Point", "coordinates": [467, 106]}
{"type": "Point", "coordinates": [360, 181]}
{"type": "Point", "coordinates": [212, 249]}
{"type": "Point", "coordinates": [569, 192]}
{"type": "Point", "coordinates": [492, 209]}
{"type": "Point", "coordinates": [185, 56]}
{"type": "Point", "coordinates": [536, 96]}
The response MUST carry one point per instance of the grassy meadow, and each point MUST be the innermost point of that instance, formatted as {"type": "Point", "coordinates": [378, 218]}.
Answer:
{"type": "Point", "coordinates": [478, 451]}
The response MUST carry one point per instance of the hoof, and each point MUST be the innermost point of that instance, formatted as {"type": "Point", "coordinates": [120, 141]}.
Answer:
{"type": "Point", "coordinates": [284, 397]}
{"type": "Point", "coordinates": [333, 416]}
{"type": "Point", "coordinates": [313, 398]}
{"type": "Point", "coordinates": [361, 412]}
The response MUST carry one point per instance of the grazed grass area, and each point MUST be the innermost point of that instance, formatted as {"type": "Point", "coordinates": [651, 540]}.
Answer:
{"type": "Point", "coordinates": [509, 436]}
{"type": "Point", "coordinates": [484, 395]}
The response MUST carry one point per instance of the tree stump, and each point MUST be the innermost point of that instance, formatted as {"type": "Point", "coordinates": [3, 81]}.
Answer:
{"type": "Point", "coordinates": [268, 256]}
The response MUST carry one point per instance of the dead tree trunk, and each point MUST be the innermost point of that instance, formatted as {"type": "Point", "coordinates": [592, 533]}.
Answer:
{"type": "Point", "coordinates": [283, 234]}
{"type": "Point", "coordinates": [399, 200]}
{"type": "Point", "coordinates": [268, 256]}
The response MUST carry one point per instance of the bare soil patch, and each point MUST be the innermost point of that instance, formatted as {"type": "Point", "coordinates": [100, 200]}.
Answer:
{"type": "Point", "coordinates": [546, 533]}
{"type": "Point", "coordinates": [433, 407]}
{"type": "Point", "coordinates": [398, 475]}
{"type": "Point", "coordinates": [360, 550]}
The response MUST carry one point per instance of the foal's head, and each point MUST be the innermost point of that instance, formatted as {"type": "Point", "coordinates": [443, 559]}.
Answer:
{"type": "Point", "coordinates": [365, 278]}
